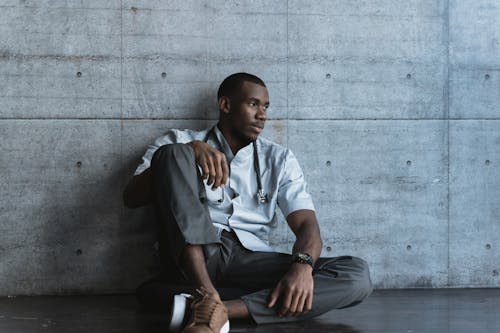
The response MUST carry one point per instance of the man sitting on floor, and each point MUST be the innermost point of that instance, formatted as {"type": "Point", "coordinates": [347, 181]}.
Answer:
{"type": "Point", "coordinates": [216, 192]}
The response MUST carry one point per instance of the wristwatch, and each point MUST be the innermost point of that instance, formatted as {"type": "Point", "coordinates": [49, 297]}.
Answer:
{"type": "Point", "coordinates": [303, 258]}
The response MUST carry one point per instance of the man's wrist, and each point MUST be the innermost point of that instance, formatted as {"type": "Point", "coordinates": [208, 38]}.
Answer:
{"type": "Point", "coordinates": [303, 259]}
{"type": "Point", "coordinates": [302, 266]}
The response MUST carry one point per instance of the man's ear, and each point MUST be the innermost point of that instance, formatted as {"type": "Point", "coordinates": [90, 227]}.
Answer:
{"type": "Point", "coordinates": [225, 104]}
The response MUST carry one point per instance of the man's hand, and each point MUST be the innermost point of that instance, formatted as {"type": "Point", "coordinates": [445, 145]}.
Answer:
{"type": "Point", "coordinates": [295, 290]}
{"type": "Point", "coordinates": [212, 162]}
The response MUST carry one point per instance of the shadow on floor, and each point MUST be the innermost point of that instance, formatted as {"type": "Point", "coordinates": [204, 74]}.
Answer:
{"type": "Point", "coordinates": [156, 323]}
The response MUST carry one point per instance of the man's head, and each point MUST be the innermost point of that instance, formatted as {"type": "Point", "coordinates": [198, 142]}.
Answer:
{"type": "Point", "coordinates": [243, 102]}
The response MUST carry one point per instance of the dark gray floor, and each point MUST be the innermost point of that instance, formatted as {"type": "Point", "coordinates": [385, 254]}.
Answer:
{"type": "Point", "coordinates": [409, 311]}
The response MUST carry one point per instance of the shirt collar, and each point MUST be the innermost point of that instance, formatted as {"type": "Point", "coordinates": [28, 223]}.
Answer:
{"type": "Point", "coordinates": [242, 154]}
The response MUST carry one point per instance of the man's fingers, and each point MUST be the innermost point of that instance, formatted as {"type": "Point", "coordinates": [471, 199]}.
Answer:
{"type": "Point", "coordinates": [204, 169]}
{"type": "Point", "coordinates": [213, 164]}
{"type": "Point", "coordinates": [309, 301]}
{"type": "Point", "coordinates": [300, 305]}
{"type": "Point", "coordinates": [225, 170]}
{"type": "Point", "coordinates": [211, 170]}
{"type": "Point", "coordinates": [218, 172]}
{"type": "Point", "coordinates": [285, 305]}
{"type": "Point", "coordinates": [274, 297]}
{"type": "Point", "coordinates": [294, 303]}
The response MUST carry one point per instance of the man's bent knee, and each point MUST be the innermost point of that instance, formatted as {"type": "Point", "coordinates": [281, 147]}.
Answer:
{"type": "Point", "coordinates": [362, 283]}
{"type": "Point", "coordinates": [174, 152]}
{"type": "Point", "coordinates": [356, 275]}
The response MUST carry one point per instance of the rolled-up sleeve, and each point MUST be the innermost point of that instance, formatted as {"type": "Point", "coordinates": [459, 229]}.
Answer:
{"type": "Point", "coordinates": [293, 192]}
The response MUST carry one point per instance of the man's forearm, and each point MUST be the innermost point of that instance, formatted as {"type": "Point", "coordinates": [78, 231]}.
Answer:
{"type": "Point", "coordinates": [139, 191]}
{"type": "Point", "coordinates": [297, 285]}
{"type": "Point", "coordinates": [308, 240]}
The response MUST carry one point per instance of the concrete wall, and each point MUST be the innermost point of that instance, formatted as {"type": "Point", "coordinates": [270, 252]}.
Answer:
{"type": "Point", "coordinates": [391, 107]}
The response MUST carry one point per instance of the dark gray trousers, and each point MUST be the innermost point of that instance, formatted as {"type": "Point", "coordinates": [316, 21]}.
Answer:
{"type": "Point", "coordinates": [183, 218]}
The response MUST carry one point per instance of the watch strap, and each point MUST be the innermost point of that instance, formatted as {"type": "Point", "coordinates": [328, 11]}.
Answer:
{"type": "Point", "coordinates": [303, 258]}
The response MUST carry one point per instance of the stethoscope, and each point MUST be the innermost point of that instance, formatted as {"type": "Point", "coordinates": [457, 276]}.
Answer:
{"type": "Point", "coordinates": [261, 196]}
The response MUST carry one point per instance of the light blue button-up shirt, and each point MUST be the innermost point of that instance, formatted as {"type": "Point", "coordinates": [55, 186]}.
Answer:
{"type": "Point", "coordinates": [282, 181]}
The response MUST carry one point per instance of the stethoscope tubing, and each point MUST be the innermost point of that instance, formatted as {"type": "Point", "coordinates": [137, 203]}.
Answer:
{"type": "Point", "coordinates": [261, 196]}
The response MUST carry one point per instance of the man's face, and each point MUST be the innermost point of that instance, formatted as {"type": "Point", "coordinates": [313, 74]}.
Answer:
{"type": "Point", "coordinates": [248, 111]}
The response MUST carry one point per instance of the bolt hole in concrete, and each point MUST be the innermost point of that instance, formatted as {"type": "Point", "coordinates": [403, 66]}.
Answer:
{"type": "Point", "coordinates": [328, 75]}
{"type": "Point", "coordinates": [329, 248]}
{"type": "Point", "coordinates": [487, 76]}
{"type": "Point", "coordinates": [488, 246]}
{"type": "Point", "coordinates": [79, 74]}
{"type": "Point", "coordinates": [328, 163]}
{"type": "Point", "coordinates": [78, 252]}
{"type": "Point", "coordinates": [495, 272]}
{"type": "Point", "coordinates": [408, 162]}
{"type": "Point", "coordinates": [78, 164]}
{"type": "Point", "coordinates": [163, 74]}
{"type": "Point", "coordinates": [408, 76]}
{"type": "Point", "coordinates": [408, 247]}
{"type": "Point", "coordinates": [487, 162]}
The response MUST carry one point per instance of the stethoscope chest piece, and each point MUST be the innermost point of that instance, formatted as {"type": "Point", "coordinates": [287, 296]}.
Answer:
{"type": "Point", "coordinates": [261, 197]}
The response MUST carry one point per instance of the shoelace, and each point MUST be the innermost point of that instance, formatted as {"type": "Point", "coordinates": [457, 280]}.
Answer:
{"type": "Point", "coordinates": [204, 307]}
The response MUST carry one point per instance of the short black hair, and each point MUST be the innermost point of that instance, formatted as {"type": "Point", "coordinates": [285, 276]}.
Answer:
{"type": "Point", "coordinates": [233, 83]}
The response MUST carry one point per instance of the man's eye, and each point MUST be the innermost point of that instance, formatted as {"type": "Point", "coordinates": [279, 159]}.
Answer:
{"type": "Point", "coordinates": [252, 104]}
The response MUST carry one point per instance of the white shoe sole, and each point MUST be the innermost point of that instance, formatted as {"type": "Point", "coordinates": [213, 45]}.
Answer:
{"type": "Point", "coordinates": [225, 328]}
{"type": "Point", "coordinates": [178, 312]}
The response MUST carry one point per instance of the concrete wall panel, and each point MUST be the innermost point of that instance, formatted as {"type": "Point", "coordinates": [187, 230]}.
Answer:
{"type": "Point", "coordinates": [380, 191]}
{"type": "Point", "coordinates": [475, 93]}
{"type": "Point", "coordinates": [394, 38]}
{"type": "Point", "coordinates": [359, 90]}
{"type": "Point", "coordinates": [475, 33]}
{"type": "Point", "coordinates": [59, 32]}
{"type": "Point", "coordinates": [59, 88]}
{"type": "Point", "coordinates": [385, 65]}
{"type": "Point", "coordinates": [61, 207]}
{"type": "Point", "coordinates": [474, 204]}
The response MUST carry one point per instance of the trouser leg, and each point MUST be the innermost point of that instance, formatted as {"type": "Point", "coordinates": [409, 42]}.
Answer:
{"type": "Point", "coordinates": [338, 282]}
{"type": "Point", "coordinates": [182, 213]}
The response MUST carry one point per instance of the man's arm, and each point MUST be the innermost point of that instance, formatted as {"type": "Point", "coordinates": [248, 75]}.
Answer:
{"type": "Point", "coordinates": [139, 191]}
{"type": "Point", "coordinates": [295, 289]}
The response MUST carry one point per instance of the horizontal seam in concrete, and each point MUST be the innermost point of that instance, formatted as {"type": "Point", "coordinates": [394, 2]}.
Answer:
{"type": "Point", "coordinates": [364, 15]}
{"type": "Point", "coordinates": [271, 119]}
{"type": "Point", "coordinates": [67, 97]}
{"type": "Point", "coordinates": [57, 8]}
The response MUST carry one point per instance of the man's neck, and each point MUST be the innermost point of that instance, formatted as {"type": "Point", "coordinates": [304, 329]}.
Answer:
{"type": "Point", "coordinates": [234, 142]}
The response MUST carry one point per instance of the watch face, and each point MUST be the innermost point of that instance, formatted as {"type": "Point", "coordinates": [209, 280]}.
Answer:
{"type": "Point", "coordinates": [303, 257]}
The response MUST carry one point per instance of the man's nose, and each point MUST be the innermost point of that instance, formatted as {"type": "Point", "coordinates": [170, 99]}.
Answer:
{"type": "Point", "coordinates": [261, 114]}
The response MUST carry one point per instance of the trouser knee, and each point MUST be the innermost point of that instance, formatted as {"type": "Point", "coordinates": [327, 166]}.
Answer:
{"type": "Point", "coordinates": [177, 153]}
{"type": "Point", "coordinates": [361, 281]}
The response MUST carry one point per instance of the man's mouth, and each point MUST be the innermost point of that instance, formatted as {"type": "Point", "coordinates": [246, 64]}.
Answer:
{"type": "Point", "coordinates": [257, 127]}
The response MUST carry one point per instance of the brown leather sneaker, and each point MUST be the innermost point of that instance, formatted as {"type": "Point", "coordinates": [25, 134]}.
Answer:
{"type": "Point", "coordinates": [208, 315]}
